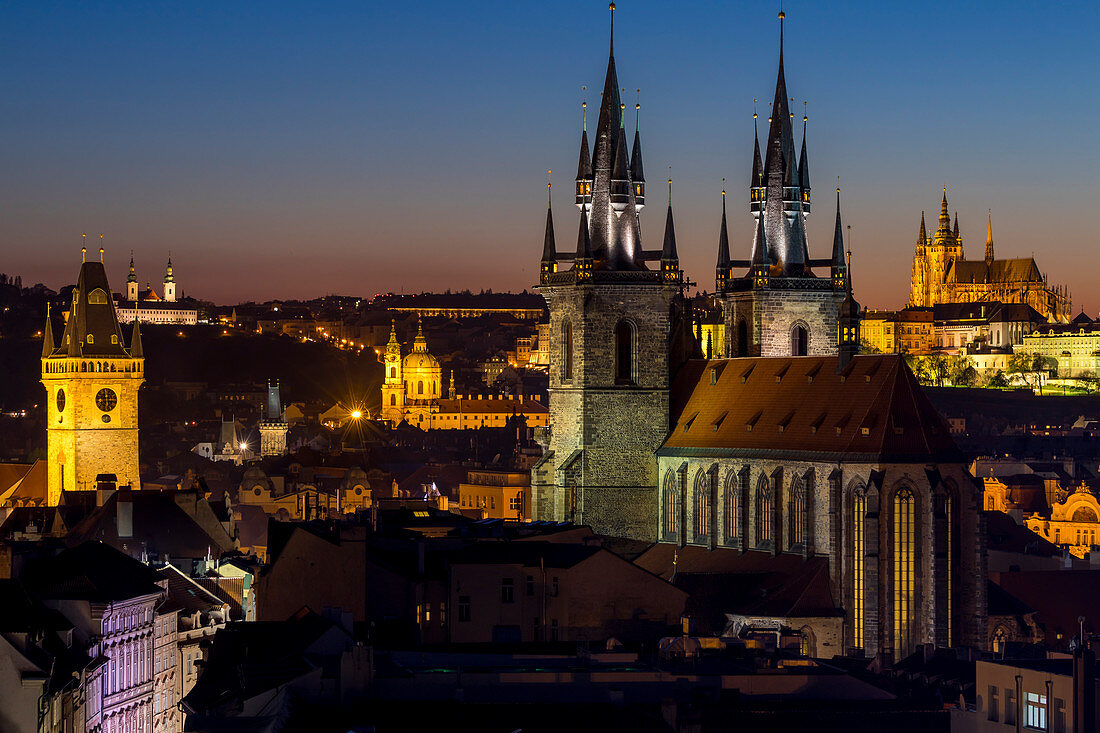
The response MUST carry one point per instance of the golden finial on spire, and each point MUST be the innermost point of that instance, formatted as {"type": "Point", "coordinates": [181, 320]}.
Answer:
{"type": "Point", "coordinates": [754, 108]}
{"type": "Point", "coordinates": [670, 185]}
{"type": "Point", "coordinates": [101, 248]}
{"type": "Point", "coordinates": [804, 117]}
{"type": "Point", "coordinates": [84, 246]}
{"type": "Point", "coordinates": [548, 187]}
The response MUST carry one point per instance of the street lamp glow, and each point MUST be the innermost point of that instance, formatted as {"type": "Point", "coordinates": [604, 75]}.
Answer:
{"type": "Point", "coordinates": [356, 414]}
{"type": "Point", "coordinates": [243, 446]}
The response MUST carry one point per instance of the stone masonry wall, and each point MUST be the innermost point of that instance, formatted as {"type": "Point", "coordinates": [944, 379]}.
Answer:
{"type": "Point", "coordinates": [773, 314]}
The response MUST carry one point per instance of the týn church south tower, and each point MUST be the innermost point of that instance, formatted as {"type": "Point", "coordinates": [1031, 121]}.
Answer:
{"type": "Point", "coordinates": [91, 379]}
{"type": "Point", "coordinates": [617, 332]}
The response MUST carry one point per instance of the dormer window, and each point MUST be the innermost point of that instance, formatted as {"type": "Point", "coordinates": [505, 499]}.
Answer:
{"type": "Point", "coordinates": [91, 339]}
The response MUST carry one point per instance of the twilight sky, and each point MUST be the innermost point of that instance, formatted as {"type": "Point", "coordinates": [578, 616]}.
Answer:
{"type": "Point", "coordinates": [285, 149]}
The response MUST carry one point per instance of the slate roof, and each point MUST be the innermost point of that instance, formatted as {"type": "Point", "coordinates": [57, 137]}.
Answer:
{"type": "Point", "coordinates": [92, 314]}
{"type": "Point", "coordinates": [1021, 269]}
{"type": "Point", "coordinates": [801, 407]}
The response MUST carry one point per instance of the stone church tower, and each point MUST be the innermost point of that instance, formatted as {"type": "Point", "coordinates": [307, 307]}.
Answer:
{"type": "Point", "coordinates": [778, 306]}
{"type": "Point", "coordinates": [393, 385]}
{"type": "Point", "coordinates": [616, 326]}
{"type": "Point", "coordinates": [91, 380]}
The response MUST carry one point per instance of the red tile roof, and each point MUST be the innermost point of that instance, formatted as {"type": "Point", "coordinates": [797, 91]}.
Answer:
{"type": "Point", "coordinates": [801, 407]}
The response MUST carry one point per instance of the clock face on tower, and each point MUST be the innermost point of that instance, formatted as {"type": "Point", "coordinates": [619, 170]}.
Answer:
{"type": "Point", "coordinates": [61, 400]}
{"type": "Point", "coordinates": [106, 399]}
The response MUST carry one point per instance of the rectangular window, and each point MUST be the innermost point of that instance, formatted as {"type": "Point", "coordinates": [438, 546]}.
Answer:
{"type": "Point", "coordinates": [530, 585]}
{"type": "Point", "coordinates": [463, 608]}
{"type": "Point", "coordinates": [1036, 711]}
{"type": "Point", "coordinates": [442, 614]}
{"type": "Point", "coordinates": [554, 587]}
{"type": "Point", "coordinates": [992, 703]}
{"type": "Point", "coordinates": [1010, 706]}
{"type": "Point", "coordinates": [507, 590]}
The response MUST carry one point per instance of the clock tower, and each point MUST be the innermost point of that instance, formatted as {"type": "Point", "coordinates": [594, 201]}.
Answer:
{"type": "Point", "coordinates": [91, 379]}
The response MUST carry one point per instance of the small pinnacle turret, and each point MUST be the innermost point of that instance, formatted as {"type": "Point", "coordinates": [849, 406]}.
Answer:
{"type": "Point", "coordinates": [922, 236]}
{"type": "Point", "coordinates": [47, 335]}
{"type": "Point", "coordinates": [549, 263]}
{"type": "Point", "coordinates": [989, 240]}
{"type": "Point", "coordinates": [670, 260]}
{"type": "Point", "coordinates": [136, 349]}
{"type": "Point", "coordinates": [839, 264]}
{"type": "Point", "coordinates": [722, 268]}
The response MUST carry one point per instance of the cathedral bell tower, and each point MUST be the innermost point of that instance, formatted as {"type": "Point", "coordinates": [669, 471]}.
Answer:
{"type": "Point", "coordinates": [614, 323]}
{"type": "Point", "coordinates": [393, 387]}
{"type": "Point", "coordinates": [273, 427]}
{"type": "Point", "coordinates": [132, 282]}
{"type": "Point", "coordinates": [91, 380]}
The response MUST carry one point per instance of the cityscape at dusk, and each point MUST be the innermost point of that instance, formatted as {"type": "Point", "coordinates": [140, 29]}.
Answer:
{"type": "Point", "coordinates": [347, 386]}
{"type": "Point", "coordinates": [274, 139]}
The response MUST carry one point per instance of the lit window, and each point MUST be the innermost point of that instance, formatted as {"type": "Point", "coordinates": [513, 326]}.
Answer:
{"type": "Point", "coordinates": [859, 511]}
{"type": "Point", "coordinates": [764, 506]}
{"type": "Point", "coordinates": [702, 506]}
{"type": "Point", "coordinates": [1036, 711]}
{"type": "Point", "coordinates": [904, 561]}
{"type": "Point", "coordinates": [671, 506]}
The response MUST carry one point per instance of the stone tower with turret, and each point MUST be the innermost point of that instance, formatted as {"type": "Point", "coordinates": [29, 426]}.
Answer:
{"type": "Point", "coordinates": [617, 330]}
{"type": "Point", "coordinates": [273, 426]}
{"type": "Point", "coordinates": [91, 379]}
{"type": "Point", "coordinates": [775, 303]}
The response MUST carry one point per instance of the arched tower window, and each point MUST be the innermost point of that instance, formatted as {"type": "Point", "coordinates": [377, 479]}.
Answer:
{"type": "Point", "coordinates": [701, 525]}
{"type": "Point", "coordinates": [904, 564]}
{"type": "Point", "coordinates": [624, 353]}
{"type": "Point", "coordinates": [800, 338]}
{"type": "Point", "coordinates": [393, 372]}
{"type": "Point", "coordinates": [729, 505]}
{"type": "Point", "coordinates": [764, 506]}
{"type": "Point", "coordinates": [796, 516]}
{"type": "Point", "coordinates": [393, 400]}
{"type": "Point", "coordinates": [671, 507]}
{"type": "Point", "coordinates": [420, 387]}
{"type": "Point", "coordinates": [566, 350]}
{"type": "Point", "coordinates": [859, 552]}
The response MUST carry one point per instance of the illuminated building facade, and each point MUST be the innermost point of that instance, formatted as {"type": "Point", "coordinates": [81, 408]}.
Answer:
{"type": "Point", "coordinates": [91, 379]}
{"type": "Point", "coordinates": [942, 274]}
{"type": "Point", "coordinates": [148, 307]}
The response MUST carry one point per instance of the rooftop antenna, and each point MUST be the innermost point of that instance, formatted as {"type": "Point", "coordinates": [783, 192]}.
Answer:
{"type": "Point", "coordinates": [670, 186]}
{"type": "Point", "coordinates": [611, 7]}
{"type": "Point", "coordinates": [548, 188]}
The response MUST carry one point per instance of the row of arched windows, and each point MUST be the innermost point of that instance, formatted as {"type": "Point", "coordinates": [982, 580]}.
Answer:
{"type": "Point", "coordinates": [734, 499]}
{"type": "Point", "coordinates": [65, 367]}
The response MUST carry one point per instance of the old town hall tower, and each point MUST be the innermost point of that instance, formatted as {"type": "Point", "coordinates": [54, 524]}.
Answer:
{"type": "Point", "coordinates": [616, 325]}
{"type": "Point", "coordinates": [92, 380]}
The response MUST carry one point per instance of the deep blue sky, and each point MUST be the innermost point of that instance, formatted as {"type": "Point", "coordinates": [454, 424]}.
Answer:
{"type": "Point", "coordinates": [294, 149]}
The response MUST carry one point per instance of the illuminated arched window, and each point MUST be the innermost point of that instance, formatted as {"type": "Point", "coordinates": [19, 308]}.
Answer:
{"type": "Point", "coordinates": [393, 399]}
{"type": "Point", "coordinates": [999, 639]}
{"type": "Point", "coordinates": [859, 552]}
{"type": "Point", "coordinates": [800, 339]}
{"type": "Point", "coordinates": [764, 506]}
{"type": "Point", "coordinates": [796, 516]}
{"type": "Point", "coordinates": [701, 506]}
{"type": "Point", "coordinates": [624, 353]}
{"type": "Point", "coordinates": [729, 506]}
{"type": "Point", "coordinates": [566, 350]}
{"type": "Point", "coordinates": [393, 372]}
{"type": "Point", "coordinates": [671, 506]}
{"type": "Point", "coordinates": [420, 387]}
{"type": "Point", "coordinates": [904, 587]}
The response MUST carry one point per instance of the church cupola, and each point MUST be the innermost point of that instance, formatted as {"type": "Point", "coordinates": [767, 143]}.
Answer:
{"type": "Point", "coordinates": [549, 263]}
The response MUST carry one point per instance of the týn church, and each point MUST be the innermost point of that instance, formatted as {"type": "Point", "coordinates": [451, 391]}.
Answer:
{"type": "Point", "coordinates": [797, 451]}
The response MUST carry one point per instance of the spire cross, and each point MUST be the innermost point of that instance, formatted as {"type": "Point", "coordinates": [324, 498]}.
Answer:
{"type": "Point", "coordinates": [84, 246]}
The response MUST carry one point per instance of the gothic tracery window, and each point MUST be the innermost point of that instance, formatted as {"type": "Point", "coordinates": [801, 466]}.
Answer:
{"type": "Point", "coordinates": [797, 514]}
{"type": "Point", "coordinates": [701, 506]}
{"type": "Point", "coordinates": [670, 507]}
{"type": "Point", "coordinates": [764, 506]}
{"type": "Point", "coordinates": [730, 505]}
{"type": "Point", "coordinates": [904, 563]}
{"type": "Point", "coordinates": [859, 551]}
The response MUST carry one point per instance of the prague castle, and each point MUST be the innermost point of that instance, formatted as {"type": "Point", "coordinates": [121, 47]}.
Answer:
{"type": "Point", "coordinates": [796, 452]}
{"type": "Point", "coordinates": [92, 379]}
{"type": "Point", "coordinates": [942, 274]}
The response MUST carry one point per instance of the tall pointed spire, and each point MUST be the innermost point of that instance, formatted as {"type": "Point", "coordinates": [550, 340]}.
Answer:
{"type": "Point", "coordinates": [761, 265]}
{"type": "Point", "coordinates": [956, 228]}
{"type": "Point", "coordinates": [804, 166]}
{"type": "Point", "coordinates": [945, 218]}
{"type": "Point", "coordinates": [584, 165]}
{"type": "Point", "coordinates": [989, 240]}
{"type": "Point", "coordinates": [636, 173]}
{"type": "Point", "coordinates": [582, 264]}
{"type": "Point", "coordinates": [922, 236]}
{"type": "Point", "coordinates": [47, 335]}
{"type": "Point", "coordinates": [722, 268]}
{"type": "Point", "coordinates": [136, 349]}
{"type": "Point", "coordinates": [668, 249]}
{"type": "Point", "coordinates": [839, 265]}
{"type": "Point", "coordinates": [132, 277]}
{"type": "Point", "coordinates": [549, 249]}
